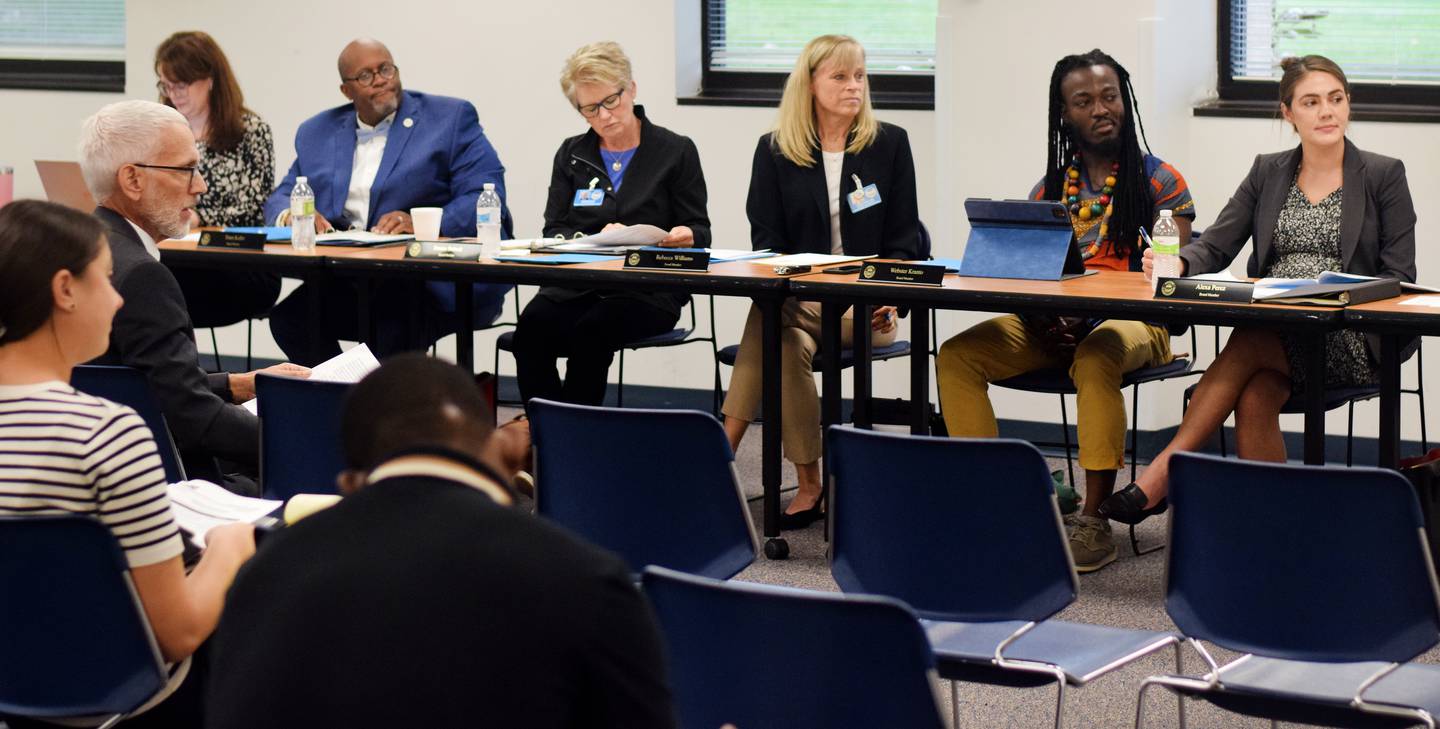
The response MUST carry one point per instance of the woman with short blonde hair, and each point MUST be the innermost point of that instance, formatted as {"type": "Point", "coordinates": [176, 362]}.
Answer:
{"type": "Point", "coordinates": [624, 171]}
{"type": "Point", "coordinates": [867, 179]}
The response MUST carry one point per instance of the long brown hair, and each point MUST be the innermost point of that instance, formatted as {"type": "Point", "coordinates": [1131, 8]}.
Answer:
{"type": "Point", "coordinates": [190, 55]}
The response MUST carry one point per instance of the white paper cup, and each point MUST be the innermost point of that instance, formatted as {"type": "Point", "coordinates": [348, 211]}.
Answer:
{"type": "Point", "coordinates": [427, 222]}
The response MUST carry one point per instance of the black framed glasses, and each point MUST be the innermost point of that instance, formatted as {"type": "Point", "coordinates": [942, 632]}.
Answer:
{"type": "Point", "coordinates": [608, 103]}
{"type": "Point", "coordinates": [192, 169]}
{"type": "Point", "coordinates": [386, 71]}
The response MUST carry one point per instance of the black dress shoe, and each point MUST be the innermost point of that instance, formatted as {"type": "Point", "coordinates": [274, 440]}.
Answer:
{"type": "Point", "coordinates": [802, 519]}
{"type": "Point", "coordinates": [1127, 506]}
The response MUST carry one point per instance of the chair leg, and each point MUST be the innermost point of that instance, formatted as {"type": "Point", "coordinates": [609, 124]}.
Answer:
{"type": "Point", "coordinates": [1060, 705]}
{"type": "Point", "coordinates": [1420, 395]}
{"type": "Point", "coordinates": [1350, 437]}
{"type": "Point", "coordinates": [954, 705]}
{"type": "Point", "coordinates": [620, 388]}
{"type": "Point", "coordinates": [215, 344]}
{"type": "Point", "coordinates": [1180, 671]}
{"type": "Point", "coordinates": [1065, 436]}
{"type": "Point", "coordinates": [249, 342]}
{"type": "Point", "coordinates": [1134, 455]}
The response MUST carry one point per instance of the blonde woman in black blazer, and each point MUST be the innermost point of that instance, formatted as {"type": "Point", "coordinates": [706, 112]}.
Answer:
{"type": "Point", "coordinates": [1325, 204]}
{"type": "Point", "coordinates": [827, 147]}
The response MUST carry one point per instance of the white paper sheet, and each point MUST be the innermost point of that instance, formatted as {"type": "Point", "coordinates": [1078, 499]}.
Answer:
{"type": "Point", "coordinates": [199, 506]}
{"type": "Point", "coordinates": [810, 259]}
{"type": "Point", "coordinates": [1430, 301]}
{"type": "Point", "coordinates": [348, 366]}
{"type": "Point", "coordinates": [738, 254]}
{"type": "Point", "coordinates": [361, 236]}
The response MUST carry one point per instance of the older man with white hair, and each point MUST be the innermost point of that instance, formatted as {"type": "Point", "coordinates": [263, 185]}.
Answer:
{"type": "Point", "coordinates": [139, 160]}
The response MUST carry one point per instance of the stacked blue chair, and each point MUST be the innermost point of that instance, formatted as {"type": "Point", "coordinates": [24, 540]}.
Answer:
{"type": "Point", "coordinates": [654, 486]}
{"type": "Point", "coordinates": [847, 661]}
{"type": "Point", "coordinates": [300, 448]}
{"type": "Point", "coordinates": [982, 515]}
{"type": "Point", "coordinates": [1325, 626]}
{"type": "Point", "coordinates": [77, 642]}
{"type": "Point", "coordinates": [127, 386]}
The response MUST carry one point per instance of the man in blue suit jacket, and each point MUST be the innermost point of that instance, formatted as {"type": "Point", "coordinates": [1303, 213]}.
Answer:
{"type": "Point", "coordinates": [369, 162]}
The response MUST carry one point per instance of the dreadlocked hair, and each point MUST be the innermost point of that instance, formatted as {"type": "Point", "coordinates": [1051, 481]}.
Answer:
{"type": "Point", "coordinates": [1133, 200]}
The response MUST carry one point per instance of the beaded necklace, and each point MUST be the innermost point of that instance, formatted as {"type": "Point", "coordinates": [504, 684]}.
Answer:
{"type": "Point", "coordinates": [1104, 206]}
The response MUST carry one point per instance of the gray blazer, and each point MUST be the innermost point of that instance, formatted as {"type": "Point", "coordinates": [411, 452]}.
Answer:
{"type": "Point", "coordinates": [1377, 219]}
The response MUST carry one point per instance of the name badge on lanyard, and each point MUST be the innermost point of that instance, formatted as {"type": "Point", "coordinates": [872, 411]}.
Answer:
{"type": "Point", "coordinates": [862, 197]}
{"type": "Point", "coordinates": [589, 197]}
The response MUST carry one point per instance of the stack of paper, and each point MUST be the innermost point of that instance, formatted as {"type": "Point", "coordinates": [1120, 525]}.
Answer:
{"type": "Point", "coordinates": [199, 506]}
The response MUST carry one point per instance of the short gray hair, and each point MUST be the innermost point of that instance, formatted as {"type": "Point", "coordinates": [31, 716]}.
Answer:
{"type": "Point", "coordinates": [121, 133]}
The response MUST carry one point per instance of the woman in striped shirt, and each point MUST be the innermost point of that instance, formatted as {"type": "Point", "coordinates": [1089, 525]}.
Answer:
{"type": "Point", "coordinates": [62, 451]}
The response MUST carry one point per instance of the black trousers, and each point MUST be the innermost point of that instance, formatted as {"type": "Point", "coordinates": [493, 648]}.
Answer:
{"type": "Point", "coordinates": [398, 309]}
{"type": "Point", "coordinates": [587, 331]}
{"type": "Point", "coordinates": [221, 298]}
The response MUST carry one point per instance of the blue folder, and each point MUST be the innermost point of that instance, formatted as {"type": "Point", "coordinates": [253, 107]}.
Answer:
{"type": "Point", "coordinates": [1026, 239]}
{"type": "Point", "coordinates": [272, 233]}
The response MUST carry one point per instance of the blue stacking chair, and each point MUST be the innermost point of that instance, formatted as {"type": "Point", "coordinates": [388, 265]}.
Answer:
{"type": "Point", "coordinates": [1255, 567]}
{"type": "Point", "coordinates": [848, 661]}
{"type": "Point", "coordinates": [655, 486]}
{"type": "Point", "coordinates": [968, 533]}
{"type": "Point", "coordinates": [77, 642]}
{"type": "Point", "coordinates": [300, 448]}
{"type": "Point", "coordinates": [127, 386]}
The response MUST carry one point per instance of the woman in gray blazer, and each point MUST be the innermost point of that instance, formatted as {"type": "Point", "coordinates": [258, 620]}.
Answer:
{"type": "Point", "coordinates": [1326, 205]}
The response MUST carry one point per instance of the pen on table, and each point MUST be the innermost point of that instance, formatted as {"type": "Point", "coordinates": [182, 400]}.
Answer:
{"type": "Point", "coordinates": [1146, 237]}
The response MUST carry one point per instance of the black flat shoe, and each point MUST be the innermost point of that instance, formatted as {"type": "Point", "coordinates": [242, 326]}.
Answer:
{"type": "Point", "coordinates": [1127, 506]}
{"type": "Point", "coordinates": [802, 519]}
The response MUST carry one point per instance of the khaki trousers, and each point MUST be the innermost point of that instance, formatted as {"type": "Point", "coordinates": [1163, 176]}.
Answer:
{"type": "Point", "coordinates": [799, 401]}
{"type": "Point", "coordinates": [1002, 347]}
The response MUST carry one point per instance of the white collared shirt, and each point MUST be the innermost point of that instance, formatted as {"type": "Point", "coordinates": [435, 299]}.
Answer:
{"type": "Point", "coordinates": [365, 166]}
{"type": "Point", "coordinates": [438, 467]}
{"type": "Point", "coordinates": [145, 240]}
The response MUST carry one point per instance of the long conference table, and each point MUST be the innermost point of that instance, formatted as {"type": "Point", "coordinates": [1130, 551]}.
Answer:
{"type": "Point", "coordinates": [1107, 294]}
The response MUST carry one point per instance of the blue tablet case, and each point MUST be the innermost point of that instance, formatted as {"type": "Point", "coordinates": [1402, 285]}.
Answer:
{"type": "Point", "coordinates": [1026, 239]}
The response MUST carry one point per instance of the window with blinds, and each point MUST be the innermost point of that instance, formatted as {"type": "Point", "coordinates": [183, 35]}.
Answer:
{"type": "Point", "coordinates": [749, 45]}
{"type": "Point", "coordinates": [1390, 49]}
{"type": "Point", "coordinates": [62, 44]}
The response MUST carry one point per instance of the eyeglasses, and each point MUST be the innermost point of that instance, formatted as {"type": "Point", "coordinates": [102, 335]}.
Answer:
{"type": "Point", "coordinates": [386, 71]}
{"type": "Point", "coordinates": [608, 103]}
{"type": "Point", "coordinates": [170, 90]}
{"type": "Point", "coordinates": [192, 169]}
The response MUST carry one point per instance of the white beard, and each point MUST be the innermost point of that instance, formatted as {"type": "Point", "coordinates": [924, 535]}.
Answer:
{"type": "Point", "coordinates": [167, 221]}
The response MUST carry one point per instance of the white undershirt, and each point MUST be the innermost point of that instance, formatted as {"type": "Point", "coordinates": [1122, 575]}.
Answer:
{"type": "Point", "coordinates": [833, 162]}
{"type": "Point", "coordinates": [365, 166]}
{"type": "Point", "coordinates": [146, 240]}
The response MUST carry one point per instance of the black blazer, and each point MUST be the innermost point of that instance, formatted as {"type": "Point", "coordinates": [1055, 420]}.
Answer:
{"type": "Point", "coordinates": [420, 602]}
{"type": "Point", "coordinates": [789, 211]}
{"type": "Point", "coordinates": [1377, 219]}
{"type": "Point", "coordinates": [664, 187]}
{"type": "Point", "coordinates": [152, 333]}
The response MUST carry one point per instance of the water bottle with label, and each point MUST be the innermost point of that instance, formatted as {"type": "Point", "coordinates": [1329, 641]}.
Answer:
{"type": "Point", "coordinates": [487, 221]}
{"type": "Point", "coordinates": [302, 216]}
{"type": "Point", "coordinates": [1166, 244]}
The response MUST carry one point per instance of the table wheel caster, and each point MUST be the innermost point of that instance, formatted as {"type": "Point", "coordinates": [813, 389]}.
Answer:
{"type": "Point", "coordinates": [777, 548]}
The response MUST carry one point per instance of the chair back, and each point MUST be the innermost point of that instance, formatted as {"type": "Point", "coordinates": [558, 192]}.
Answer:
{"type": "Point", "coordinates": [979, 512]}
{"type": "Point", "coordinates": [844, 660]}
{"type": "Point", "coordinates": [655, 486]}
{"type": "Point", "coordinates": [76, 638]}
{"type": "Point", "coordinates": [299, 435]}
{"type": "Point", "coordinates": [127, 386]}
{"type": "Point", "coordinates": [1299, 562]}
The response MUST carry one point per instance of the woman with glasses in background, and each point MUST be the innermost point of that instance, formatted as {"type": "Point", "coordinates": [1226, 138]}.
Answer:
{"type": "Point", "coordinates": [624, 171]}
{"type": "Point", "coordinates": [237, 160]}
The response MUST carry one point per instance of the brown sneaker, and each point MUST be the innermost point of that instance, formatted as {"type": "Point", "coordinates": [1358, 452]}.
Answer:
{"type": "Point", "coordinates": [1090, 543]}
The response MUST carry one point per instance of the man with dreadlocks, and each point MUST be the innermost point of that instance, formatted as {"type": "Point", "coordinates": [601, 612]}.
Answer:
{"type": "Point", "coordinates": [1096, 167]}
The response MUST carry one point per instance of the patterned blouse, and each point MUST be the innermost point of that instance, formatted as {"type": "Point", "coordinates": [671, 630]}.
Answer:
{"type": "Point", "coordinates": [1307, 243]}
{"type": "Point", "coordinates": [240, 179]}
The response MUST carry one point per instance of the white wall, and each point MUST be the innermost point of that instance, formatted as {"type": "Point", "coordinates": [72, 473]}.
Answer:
{"type": "Point", "coordinates": [995, 56]}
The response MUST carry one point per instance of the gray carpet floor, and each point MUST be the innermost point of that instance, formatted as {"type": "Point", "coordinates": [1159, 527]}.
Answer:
{"type": "Point", "coordinates": [1128, 593]}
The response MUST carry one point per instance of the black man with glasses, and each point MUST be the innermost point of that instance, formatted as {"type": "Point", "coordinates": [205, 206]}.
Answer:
{"type": "Point", "coordinates": [139, 160]}
{"type": "Point", "coordinates": [370, 161]}
{"type": "Point", "coordinates": [624, 170]}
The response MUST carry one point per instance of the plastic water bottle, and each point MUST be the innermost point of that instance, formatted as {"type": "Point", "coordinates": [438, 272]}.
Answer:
{"type": "Point", "coordinates": [487, 221]}
{"type": "Point", "coordinates": [1166, 239]}
{"type": "Point", "coordinates": [302, 216]}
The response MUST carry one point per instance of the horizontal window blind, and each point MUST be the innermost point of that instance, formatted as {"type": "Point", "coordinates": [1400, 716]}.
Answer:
{"type": "Point", "coordinates": [767, 35]}
{"type": "Point", "coordinates": [1386, 41]}
{"type": "Point", "coordinates": [62, 30]}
